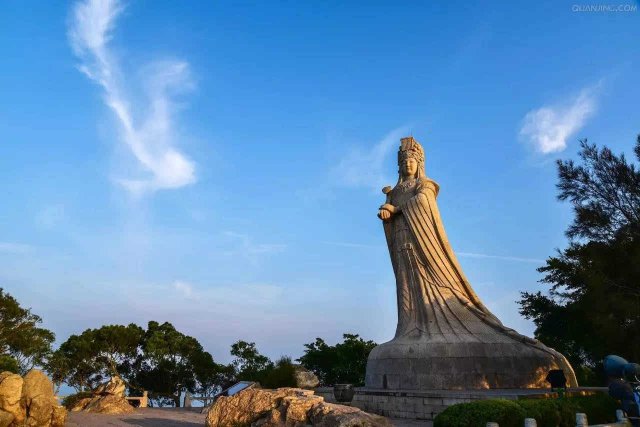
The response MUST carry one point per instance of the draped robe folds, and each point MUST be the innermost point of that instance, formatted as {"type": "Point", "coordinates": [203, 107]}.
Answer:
{"type": "Point", "coordinates": [446, 338]}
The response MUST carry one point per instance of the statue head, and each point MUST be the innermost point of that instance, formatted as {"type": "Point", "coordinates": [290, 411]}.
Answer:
{"type": "Point", "coordinates": [410, 159]}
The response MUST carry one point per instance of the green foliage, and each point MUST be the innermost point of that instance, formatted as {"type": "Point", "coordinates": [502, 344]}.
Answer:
{"type": "Point", "coordinates": [506, 413]}
{"type": "Point", "coordinates": [160, 360]}
{"type": "Point", "coordinates": [171, 360]}
{"type": "Point", "coordinates": [71, 400]}
{"type": "Point", "coordinates": [345, 362]}
{"type": "Point", "coordinates": [591, 309]}
{"type": "Point", "coordinates": [8, 363]}
{"type": "Point", "coordinates": [249, 364]}
{"type": "Point", "coordinates": [85, 360]}
{"type": "Point", "coordinates": [282, 374]}
{"type": "Point", "coordinates": [20, 336]}
{"type": "Point", "coordinates": [600, 408]}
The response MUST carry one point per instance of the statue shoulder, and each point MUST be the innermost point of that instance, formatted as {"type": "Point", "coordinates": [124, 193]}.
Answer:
{"type": "Point", "coordinates": [426, 184]}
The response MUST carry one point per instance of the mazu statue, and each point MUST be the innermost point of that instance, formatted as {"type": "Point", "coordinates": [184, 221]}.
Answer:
{"type": "Point", "coordinates": [446, 338]}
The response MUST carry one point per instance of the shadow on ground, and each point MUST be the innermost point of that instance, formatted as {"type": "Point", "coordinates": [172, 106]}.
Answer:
{"type": "Point", "coordinates": [155, 422]}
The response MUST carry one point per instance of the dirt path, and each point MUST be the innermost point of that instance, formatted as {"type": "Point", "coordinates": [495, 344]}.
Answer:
{"type": "Point", "coordinates": [146, 417]}
{"type": "Point", "coordinates": [169, 417]}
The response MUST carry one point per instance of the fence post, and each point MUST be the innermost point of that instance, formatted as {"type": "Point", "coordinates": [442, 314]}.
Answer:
{"type": "Point", "coordinates": [187, 400]}
{"type": "Point", "coordinates": [144, 402]}
{"type": "Point", "coordinates": [581, 420]}
{"type": "Point", "coordinates": [530, 422]}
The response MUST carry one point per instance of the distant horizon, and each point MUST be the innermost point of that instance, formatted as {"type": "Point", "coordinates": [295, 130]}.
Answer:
{"type": "Point", "coordinates": [220, 166]}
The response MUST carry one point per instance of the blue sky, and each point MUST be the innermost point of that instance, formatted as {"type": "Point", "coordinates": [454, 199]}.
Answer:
{"type": "Point", "coordinates": [219, 164]}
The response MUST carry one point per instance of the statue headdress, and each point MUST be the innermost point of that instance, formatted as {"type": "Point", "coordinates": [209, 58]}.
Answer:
{"type": "Point", "coordinates": [409, 147]}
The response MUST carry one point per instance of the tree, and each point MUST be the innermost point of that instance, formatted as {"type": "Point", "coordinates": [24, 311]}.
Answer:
{"type": "Point", "coordinates": [249, 364]}
{"type": "Point", "coordinates": [593, 305]}
{"type": "Point", "coordinates": [85, 360]}
{"type": "Point", "coordinates": [345, 362]}
{"type": "Point", "coordinates": [171, 361]}
{"type": "Point", "coordinates": [23, 344]}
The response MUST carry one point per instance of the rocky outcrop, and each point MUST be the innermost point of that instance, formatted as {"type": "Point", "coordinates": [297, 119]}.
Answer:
{"type": "Point", "coordinates": [305, 378]}
{"type": "Point", "coordinates": [29, 401]}
{"type": "Point", "coordinates": [286, 407]}
{"type": "Point", "coordinates": [10, 394]}
{"type": "Point", "coordinates": [108, 398]}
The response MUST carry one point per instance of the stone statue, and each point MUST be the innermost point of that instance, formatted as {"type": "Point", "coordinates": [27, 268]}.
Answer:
{"type": "Point", "coordinates": [446, 338]}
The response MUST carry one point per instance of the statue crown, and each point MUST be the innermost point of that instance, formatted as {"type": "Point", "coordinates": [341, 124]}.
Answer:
{"type": "Point", "coordinates": [409, 147]}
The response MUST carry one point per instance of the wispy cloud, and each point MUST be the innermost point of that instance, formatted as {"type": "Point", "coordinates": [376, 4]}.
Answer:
{"type": "Point", "coordinates": [183, 288]}
{"type": "Point", "coordinates": [247, 246]}
{"type": "Point", "coordinates": [14, 248]}
{"type": "Point", "coordinates": [547, 128]}
{"type": "Point", "coordinates": [351, 245]}
{"type": "Point", "coordinates": [364, 167]}
{"type": "Point", "coordinates": [460, 254]}
{"type": "Point", "coordinates": [50, 216]}
{"type": "Point", "coordinates": [150, 140]}
{"type": "Point", "coordinates": [500, 257]}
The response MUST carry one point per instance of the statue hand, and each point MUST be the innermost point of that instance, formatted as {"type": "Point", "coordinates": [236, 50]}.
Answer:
{"type": "Point", "coordinates": [390, 208]}
{"type": "Point", "coordinates": [384, 214]}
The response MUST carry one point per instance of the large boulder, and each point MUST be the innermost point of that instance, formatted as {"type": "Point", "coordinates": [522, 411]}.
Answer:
{"type": "Point", "coordinates": [107, 398]}
{"type": "Point", "coordinates": [10, 393]}
{"type": "Point", "coordinates": [109, 404]}
{"type": "Point", "coordinates": [39, 403]}
{"type": "Point", "coordinates": [305, 378]}
{"type": "Point", "coordinates": [286, 407]}
{"type": "Point", "coordinates": [333, 415]}
{"type": "Point", "coordinates": [115, 386]}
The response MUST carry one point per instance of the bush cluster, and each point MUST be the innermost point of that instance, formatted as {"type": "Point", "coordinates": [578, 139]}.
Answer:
{"type": "Point", "coordinates": [560, 412]}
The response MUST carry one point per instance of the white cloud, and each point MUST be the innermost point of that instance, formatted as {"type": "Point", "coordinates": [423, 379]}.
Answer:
{"type": "Point", "coordinates": [365, 167]}
{"type": "Point", "coordinates": [500, 257]}
{"type": "Point", "coordinates": [150, 140]}
{"type": "Point", "coordinates": [246, 245]}
{"type": "Point", "coordinates": [50, 216]}
{"type": "Point", "coordinates": [15, 248]}
{"type": "Point", "coordinates": [548, 127]}
{"type": "Point", "coordinates": [183, 288]}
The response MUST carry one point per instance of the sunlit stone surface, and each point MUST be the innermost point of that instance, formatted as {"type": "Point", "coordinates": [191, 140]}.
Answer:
{"type": "Point", "coordinates": [446, 338]}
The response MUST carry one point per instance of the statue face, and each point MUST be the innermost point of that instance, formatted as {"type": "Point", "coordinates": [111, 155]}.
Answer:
{"type": "Point", "coordinates": [409, 166]}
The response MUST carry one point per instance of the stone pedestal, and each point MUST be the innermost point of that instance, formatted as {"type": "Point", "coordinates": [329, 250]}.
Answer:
{"type": "Point", "coordinates": [426, 405]}
{"type": "Point", "coordinates": [442, 362]}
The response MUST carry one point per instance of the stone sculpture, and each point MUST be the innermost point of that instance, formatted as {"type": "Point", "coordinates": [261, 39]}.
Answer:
{"type": "Point", "coordinates": [446, 338]}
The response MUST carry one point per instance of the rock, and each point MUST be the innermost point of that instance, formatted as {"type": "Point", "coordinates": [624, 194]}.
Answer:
{"type": "Point", "coordinates": [305, 378]}
{"type": "Point", "coordinates": [37, 399]}
{"type": "Point", "coordinates": [10, 394]}
{"type": "Point", "coordinates": [108, 398]}
{"type": "Point", "coordinates": [247, 406]}
{"type": "Point", "coordinates": [81, 404]}
{"type": "Point", "coordinates": [109, 404]}
{"type": "Point", "coordinates": [286, 407]}
{"type": "Point", "coordinates": [332, 415]}
{"type": "Point", "coordinates": [59, 416]}
{"type": "Point", "coordinates": [5, 418]}
{"type": "Point", "coordinates": [115, 386]}
{"type": "Point", "coordinates": [298, 407]}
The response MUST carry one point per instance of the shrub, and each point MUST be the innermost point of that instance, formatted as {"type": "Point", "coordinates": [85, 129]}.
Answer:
{"type": "Point", "coordinates": [8, 363]}
{"type": "Point", "coordinates": [600, 408]}
{"type": "Point", "coordinates": [283, 374]}
{"type": "Point", "coordinates": [506, 413]}
{"type": "Point", "coordinates": [71, 400]}
{"type": "Point", "coordinates": [545, 411]}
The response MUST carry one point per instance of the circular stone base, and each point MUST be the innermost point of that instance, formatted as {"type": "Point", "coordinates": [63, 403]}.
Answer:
{"type": "Point", "coordinates": [424, 364]}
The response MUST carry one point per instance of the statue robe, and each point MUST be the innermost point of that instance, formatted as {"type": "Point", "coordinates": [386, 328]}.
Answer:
{"type": "Point", "coordinates": [445, 334]}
